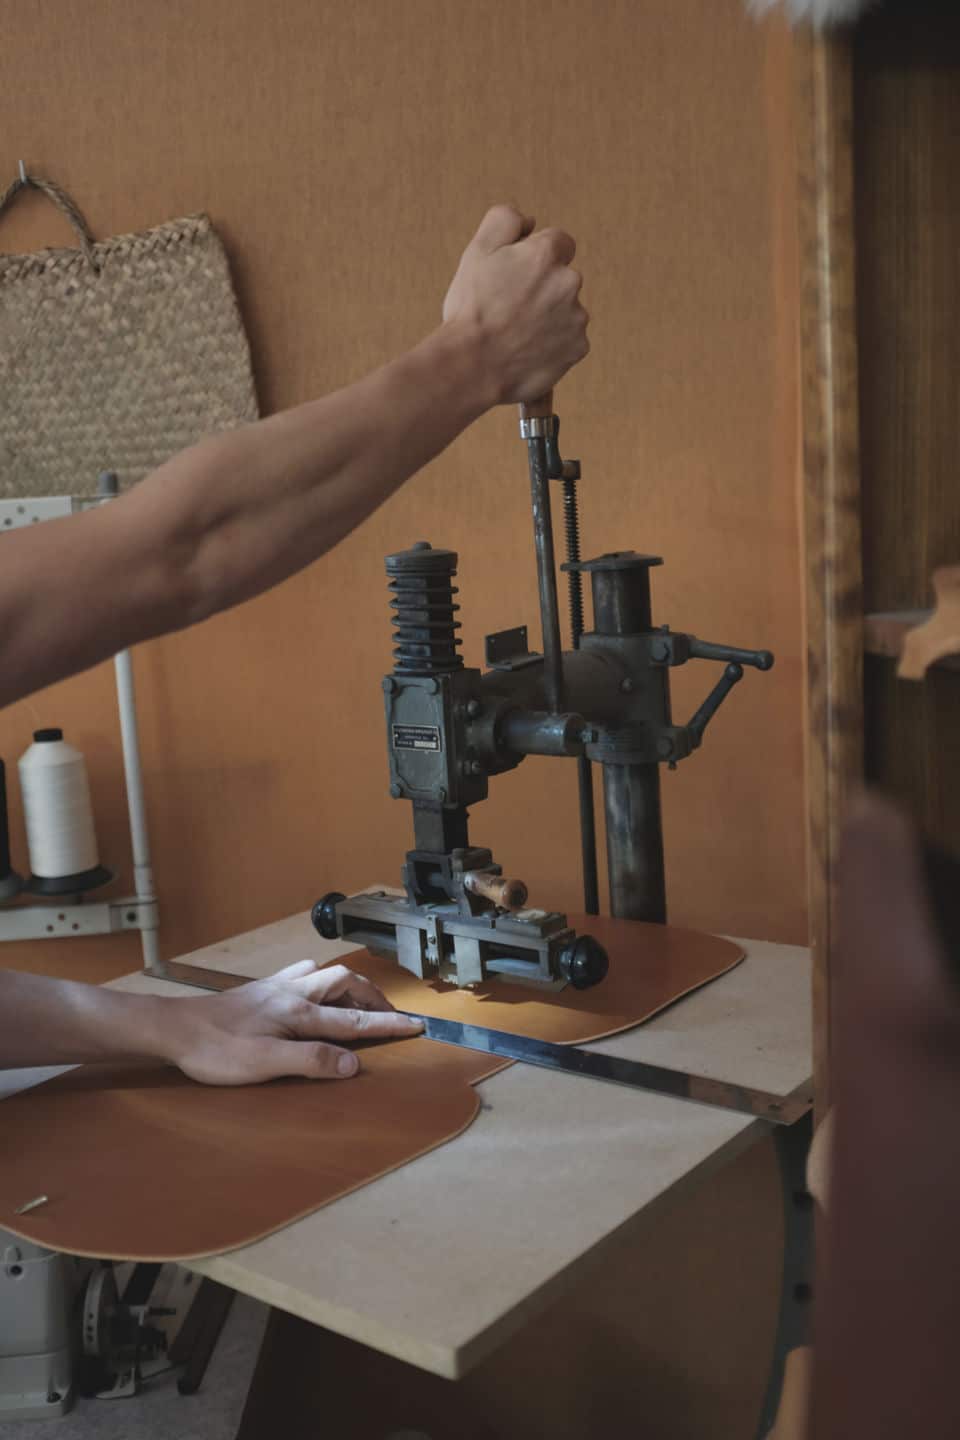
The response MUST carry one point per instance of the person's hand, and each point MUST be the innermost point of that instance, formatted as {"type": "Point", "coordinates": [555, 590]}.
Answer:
{"type": "Point", "coordinates": [517, 290]}
{"type": "Point", "coordinates": [283, 1026]}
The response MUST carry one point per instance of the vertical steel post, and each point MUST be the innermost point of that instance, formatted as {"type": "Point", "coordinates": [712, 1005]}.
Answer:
{"type": "Point", "coordinates": [631, 793]}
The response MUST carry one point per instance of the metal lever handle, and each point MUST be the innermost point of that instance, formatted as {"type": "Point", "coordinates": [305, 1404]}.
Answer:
{"type": "Point", "coordinates": [706, 650]}
{"type": "Point", "coordinates": [730, 677]}
{"type": "Point", "coordinates": [537, 423]}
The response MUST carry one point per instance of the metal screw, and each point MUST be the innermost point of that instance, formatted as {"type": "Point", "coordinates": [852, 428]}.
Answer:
{"type": "Point", "coordinates": [31, 1205]}
{"type": "Point", "coordinates": [626, 685]}
{"type": "Point", "coordinates": [659, 650]}
{"type": "Point", "coordinates": [473, 708]}
{"type": "Point", "coordinates": [475, 767]}
{"type": "Point", "coordinates": [396, 790]}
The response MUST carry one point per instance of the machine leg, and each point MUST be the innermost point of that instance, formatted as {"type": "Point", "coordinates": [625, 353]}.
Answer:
{"type": "Point", "coordinates": [793, 1144]}
{"type": "Point", "coordinates": [199, 1334]}
{"type": "Point", "coordinates": [631, 796]}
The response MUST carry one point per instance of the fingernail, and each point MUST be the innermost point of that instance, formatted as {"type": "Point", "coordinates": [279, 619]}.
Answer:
{"type": "Point", "coordinates": [414, 1023]}
{"type": "Point", "coordinates": [347, 1065]}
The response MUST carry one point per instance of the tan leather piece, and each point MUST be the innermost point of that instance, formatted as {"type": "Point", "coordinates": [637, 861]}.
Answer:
{"type": "Point", "coordinates": [650, 967]}
{"type": "Point", "coordinates": [141, 1163]}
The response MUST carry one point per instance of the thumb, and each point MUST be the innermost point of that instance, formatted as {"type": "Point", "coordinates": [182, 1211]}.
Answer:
{"type": "Point", "coordinates": [502, 225]}
{"type": "Point", "coordinates": [312, 1059]}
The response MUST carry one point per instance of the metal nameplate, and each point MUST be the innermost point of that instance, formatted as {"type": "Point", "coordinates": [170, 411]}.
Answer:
{"type": "Point", "coordinates": [416, 737]}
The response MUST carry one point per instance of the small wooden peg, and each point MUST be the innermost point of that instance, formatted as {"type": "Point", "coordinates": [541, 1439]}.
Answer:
{"type": "Point", "coordinates": [940, 636]}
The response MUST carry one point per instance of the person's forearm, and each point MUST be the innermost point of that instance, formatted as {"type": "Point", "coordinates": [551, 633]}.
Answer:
{"type": "Point", "coordinates": [242, 511]}
{"type": "Point", "coordinates": [231, 517]}
{"type": "Point", "coordinates": [252, 507]}
{"type": "Point", "coordinates": [299, 1021]}
{"type": "Point", "coordinates": [61, 1022]}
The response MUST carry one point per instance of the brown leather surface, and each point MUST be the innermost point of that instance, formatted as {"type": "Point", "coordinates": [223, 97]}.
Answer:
{"type": "Point", "coordinates": [650, 967]}
{"type": "Point", "coordinates": [139, 1162]}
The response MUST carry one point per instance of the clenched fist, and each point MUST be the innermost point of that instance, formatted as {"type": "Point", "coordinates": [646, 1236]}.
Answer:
{"type": "Point", "coordinates": [515, 288]}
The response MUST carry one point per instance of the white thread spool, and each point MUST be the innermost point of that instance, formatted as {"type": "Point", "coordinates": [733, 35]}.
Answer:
{"type": "Point", "coordinates": [59, 816]}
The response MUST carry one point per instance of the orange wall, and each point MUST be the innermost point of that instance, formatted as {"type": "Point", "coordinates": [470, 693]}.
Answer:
{"type": "Point", "coordinates": [344, 153]}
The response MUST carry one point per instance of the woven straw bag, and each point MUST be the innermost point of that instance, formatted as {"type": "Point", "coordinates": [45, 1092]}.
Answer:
{"type": "Point", "coordinates": [116, 354]}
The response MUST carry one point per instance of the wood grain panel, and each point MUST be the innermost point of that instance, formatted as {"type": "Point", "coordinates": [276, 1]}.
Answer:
{"type": "Point", "coordinates": [831, 493]}
{"type": "Point", "coordinates": [907, 140]}
{"type": "Point", "coordinates": [344, 153]}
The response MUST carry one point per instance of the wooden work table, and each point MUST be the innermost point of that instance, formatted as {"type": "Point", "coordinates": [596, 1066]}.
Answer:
{"type": "Point", "coordinates": [479, 1235]}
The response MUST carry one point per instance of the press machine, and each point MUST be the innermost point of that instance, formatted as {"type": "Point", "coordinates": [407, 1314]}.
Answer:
{"type": "Point", "coordinates": [606, 700]}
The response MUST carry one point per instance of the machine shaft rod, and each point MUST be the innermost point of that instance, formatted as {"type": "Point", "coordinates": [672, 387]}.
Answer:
{"type": "Point", "coordinates": [546, 572]}
{"type": "Point", "coordinates": [588, 824]}
{"type": "Point", "coordinates": [631, 796]}
{"type": "Point", "coordinates": [588, 837]}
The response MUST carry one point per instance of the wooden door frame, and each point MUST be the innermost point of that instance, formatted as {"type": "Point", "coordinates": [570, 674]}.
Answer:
{"type": "Point", "coordinates": [830, 490]}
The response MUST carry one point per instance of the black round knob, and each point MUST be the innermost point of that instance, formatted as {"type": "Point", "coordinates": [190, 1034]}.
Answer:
{"type": "Point", "coordinates": [584, 962]}
{"type": "Point", "coordinates": [324, 914]}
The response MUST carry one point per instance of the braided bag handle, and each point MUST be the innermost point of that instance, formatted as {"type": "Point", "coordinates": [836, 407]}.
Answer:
{"type": "Point", "coordinates": [64, 203]}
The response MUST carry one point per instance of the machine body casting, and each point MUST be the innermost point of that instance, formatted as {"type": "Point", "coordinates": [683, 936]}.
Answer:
{"type": "Point", "coordinates": [451, 727]}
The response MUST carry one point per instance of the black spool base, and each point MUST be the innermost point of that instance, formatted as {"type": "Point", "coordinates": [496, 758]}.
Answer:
{"type": "Point", "coordinates": [10, 886]}
{"type": "Point", "coordinates": [69, 884]}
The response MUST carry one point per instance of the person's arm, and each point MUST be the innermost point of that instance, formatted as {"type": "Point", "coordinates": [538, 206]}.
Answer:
{"type": "Point", "coordinates": [244, 510]}
{"type": "Point", "coordinates": [280, 1026]}
{"type": "Point", "coordinates": [888, 1256]}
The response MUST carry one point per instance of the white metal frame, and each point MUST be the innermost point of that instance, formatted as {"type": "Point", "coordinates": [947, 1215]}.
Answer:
{"type": "Point", "coordinates": [140, 911]}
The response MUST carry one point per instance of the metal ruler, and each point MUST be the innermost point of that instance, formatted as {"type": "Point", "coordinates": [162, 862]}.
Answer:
{"type": "Point", "coordinates": [657, 1079]}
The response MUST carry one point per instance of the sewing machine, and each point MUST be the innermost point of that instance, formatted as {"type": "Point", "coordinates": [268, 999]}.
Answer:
{"type": "Point", "coordinates": [449, 728]}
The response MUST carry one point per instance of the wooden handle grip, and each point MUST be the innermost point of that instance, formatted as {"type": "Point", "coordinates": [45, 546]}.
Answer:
{"type": "Point", "coordinates": [540, 409]}
{"type": "Point", "coordinates": [507, 894]}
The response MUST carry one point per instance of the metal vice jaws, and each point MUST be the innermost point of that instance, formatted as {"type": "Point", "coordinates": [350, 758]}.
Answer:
{"type": "Point", "coordinates": [450, 727]}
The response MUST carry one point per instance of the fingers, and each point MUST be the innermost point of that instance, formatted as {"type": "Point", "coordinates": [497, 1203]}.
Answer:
{"type": "Point", "coordinates": [335, 983]}
{"type": "Point", "coordinates": [273, 1059]}
{"type": "Point", "coordinates": [298, 968]}
{"type": "Point", "coordinates": [330, 1022]}
{"type": "Point", "coordinates": [558, 245]}
{"type": "Point", "coordinates": [502, 225]}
